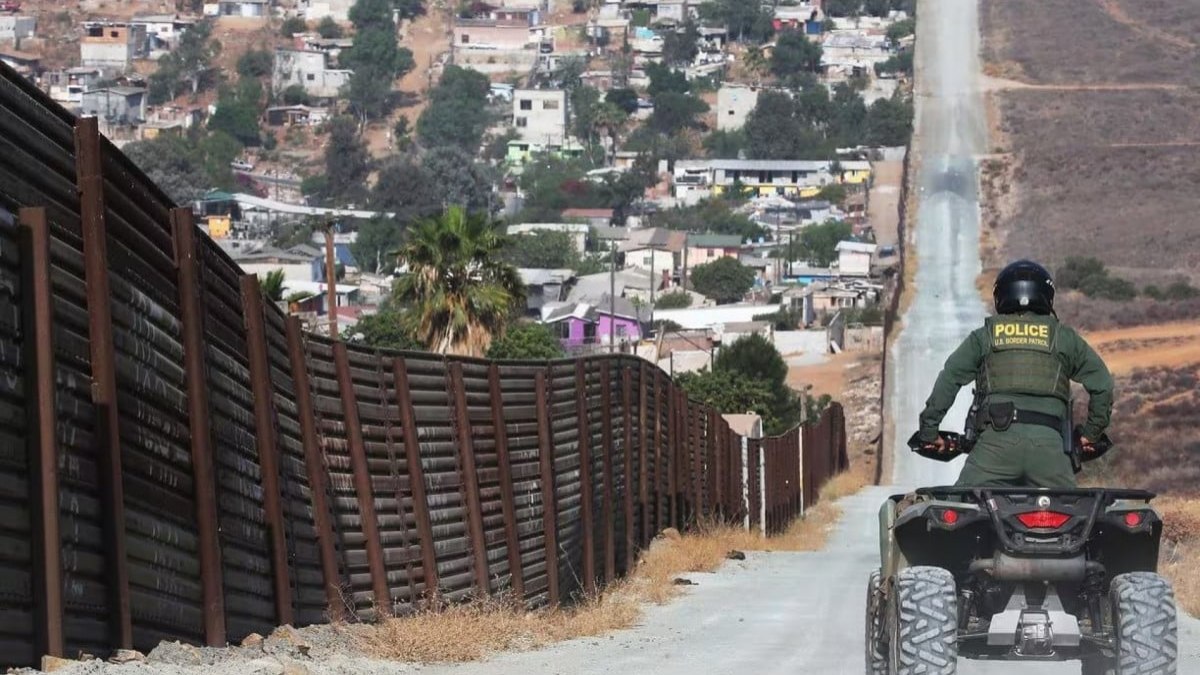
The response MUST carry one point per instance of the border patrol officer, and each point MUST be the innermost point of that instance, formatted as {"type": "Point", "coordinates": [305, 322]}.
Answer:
{"type": "Point", "coordinates": [1022, 361]}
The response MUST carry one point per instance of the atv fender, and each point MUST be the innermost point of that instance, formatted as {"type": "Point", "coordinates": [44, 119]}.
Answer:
{"type": "Point", "coordinates": [891, 559]}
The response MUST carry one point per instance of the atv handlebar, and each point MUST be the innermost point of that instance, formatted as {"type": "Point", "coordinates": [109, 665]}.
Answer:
{"type": "Point", "coordinates": [950, 451]}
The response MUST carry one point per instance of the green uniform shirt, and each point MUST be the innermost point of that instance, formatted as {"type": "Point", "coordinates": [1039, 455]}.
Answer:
{"type": "Point", "coordinates": [1080, 363]}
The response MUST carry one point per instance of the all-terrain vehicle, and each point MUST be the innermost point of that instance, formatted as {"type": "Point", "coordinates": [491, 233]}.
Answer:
{"type": "Point", "coordinates": [1019, 574]}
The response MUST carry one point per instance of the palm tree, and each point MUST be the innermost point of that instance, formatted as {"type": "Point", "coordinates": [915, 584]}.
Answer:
{"type": "Point", "coordinates": [272, 285]}
{"type": "Point", "coordinates": [457, 292]}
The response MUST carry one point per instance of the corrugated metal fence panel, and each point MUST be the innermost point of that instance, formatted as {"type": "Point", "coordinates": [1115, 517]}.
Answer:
{"type": "Point", "coordinates": [16, 565]}
{"type": "Point", "coordinates": [327, 404]}
{"type": "Point", "coordinates": [383, 438]}
{"type": "Point", "coordinates": [80, 513]}
{"type": "Point", "coordinates": [308, 599]}
{"type": "Point", "coordinates": [245, 556]}
{"type": "Point", "coordinates": [429, 386]}
{"type": "Point", "coordinates": [630, 455]}
{"type": "Point", "coordinates": [519, 408]}
{"type": "Point", "coordinates": [159, 506]}
{"type": "Point", "coordinates": [565, 433]}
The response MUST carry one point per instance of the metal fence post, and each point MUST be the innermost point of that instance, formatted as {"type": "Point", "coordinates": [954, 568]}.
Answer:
{"type": "Point", "coordinates": [362, 480]}
{"type": "Point", "coordinates": [314, 465]}
{"type": "Point", "coordinates": [674, 503]}
{"type": "Point", "coordinates": [643, 454]}
{"type": "Point", "coordinates": [585, 478]}
{"type": "Point", "coordinates": [627, 476]}
{"type": "Point", "coordinates": [416, 477]}
{"type": "Point", "coordinates": [37, 331]}
{"type": "Point", "coordinates": [268, 447]}
{"type": "Point", "coordinates": [204, 479]}
{"type": "Point", "coordinates": [104, 378]}
{"type": "Point", "coordinates": [608, 508]}
{"type": "Point", "coordinates": [508, 502]}
{"type": "Point", "coordinates": [549, 502]}
{"type": "Point", "coordinates": [470, 477]}
{"type": "Point", "coordinates": [660, 476]}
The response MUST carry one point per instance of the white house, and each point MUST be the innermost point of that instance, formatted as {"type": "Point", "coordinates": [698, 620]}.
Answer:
{"type": "Point", "coordinates": [14, 27]}
{"type": "Point", "coordinates": [540, 115]}
{"type": "Point", "coordinates": [111, 45]}
{"type": "Point", "coordinates": [854, 258]}
{"type": "Point", "coordinates": [315, 10]}
{"type": "Point", "coordinates": [250, 9]}
{"type": "Point", "coordinates": [310, 70]}
{"type": "Point", "coordinates": [734, 104]}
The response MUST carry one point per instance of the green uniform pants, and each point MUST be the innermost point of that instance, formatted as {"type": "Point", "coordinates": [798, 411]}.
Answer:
{"type": "Point", "coordinates": [1022, 456]}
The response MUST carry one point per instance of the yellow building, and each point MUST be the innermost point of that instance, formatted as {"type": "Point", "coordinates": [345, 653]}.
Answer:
{"type": "Point", "coordinates": [218, 226]}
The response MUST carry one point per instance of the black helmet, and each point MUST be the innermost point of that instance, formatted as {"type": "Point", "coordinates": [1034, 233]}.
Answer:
{"type": "Point", "coordinates": [1024, 286]}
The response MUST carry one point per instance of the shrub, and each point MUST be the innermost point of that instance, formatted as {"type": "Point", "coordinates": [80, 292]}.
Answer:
{"type": "Point", "coordinates": [673, 300]}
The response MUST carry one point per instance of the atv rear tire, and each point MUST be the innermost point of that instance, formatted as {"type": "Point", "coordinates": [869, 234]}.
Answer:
{"type": "Point", "coordinates": [877, 657]}
{"type": "Point", "coordinates": [923, 623]}
{"type": "Point", "coordinates": [1144, 619]}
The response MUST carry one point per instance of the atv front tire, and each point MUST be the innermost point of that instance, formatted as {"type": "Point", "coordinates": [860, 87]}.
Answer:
{"type": "Point", "coordinates": [923, 623]}
{"type": "Point", "coordinates": [1144, 619]}
{"type": "Point", "coordinates": [877, 657]}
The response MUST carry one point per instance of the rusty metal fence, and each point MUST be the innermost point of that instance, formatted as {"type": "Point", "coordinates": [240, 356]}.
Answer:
{"type": "Point", "coordinates": [179, 460]}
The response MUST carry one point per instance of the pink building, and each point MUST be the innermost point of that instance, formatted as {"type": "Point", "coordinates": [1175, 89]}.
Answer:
{"type": "Point", "coordinates": [705, 248]}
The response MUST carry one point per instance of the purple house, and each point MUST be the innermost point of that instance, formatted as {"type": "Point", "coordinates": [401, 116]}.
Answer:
{"type": "Point", "coordinates": [584, 323]}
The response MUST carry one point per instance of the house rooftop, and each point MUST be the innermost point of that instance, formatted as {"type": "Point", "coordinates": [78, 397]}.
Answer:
{"type": "Point", "coordinates": [714, 240]}
{"type": "Point", "coordinates": [587, 213]}
{"type": "Point", "coordinates": [118, 91]}
{"type": "Point", "coordinates": [753, 164]}
{"type": "Point", "coordinates": [856, 246]}
{"type": "Point", "coordinates": [538, 276]}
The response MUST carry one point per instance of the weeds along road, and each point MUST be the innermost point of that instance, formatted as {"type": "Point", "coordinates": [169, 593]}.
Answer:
{"type": "Point", "coordinates": [803, 612]}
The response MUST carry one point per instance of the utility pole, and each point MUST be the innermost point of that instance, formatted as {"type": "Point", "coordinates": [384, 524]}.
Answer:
{"type": "Point", "coordinates": [331, 281]}
{"type": "Point", "coordinates": [653, 283]}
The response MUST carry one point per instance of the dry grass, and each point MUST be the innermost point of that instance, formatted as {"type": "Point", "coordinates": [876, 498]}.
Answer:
{"type": "Point", "coordinates": [472, 631]}
{"type": "Point", "coordinates": [1180, 554]}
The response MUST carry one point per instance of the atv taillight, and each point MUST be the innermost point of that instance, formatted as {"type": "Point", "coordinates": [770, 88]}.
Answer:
{"type": "Point", "coordinates": [1133, 519]}
{"type": "Point", "coordinates": [1043, 519]}
{"type": "Point", "coordinates": [949, 516]}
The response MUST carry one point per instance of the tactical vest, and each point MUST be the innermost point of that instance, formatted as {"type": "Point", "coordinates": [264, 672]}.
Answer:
{"type": "Point", "coordinates": [1022, 358]}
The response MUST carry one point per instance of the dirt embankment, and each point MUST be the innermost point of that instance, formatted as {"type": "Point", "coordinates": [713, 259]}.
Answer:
{"type": "Point", "coordinates": [1095, 145]}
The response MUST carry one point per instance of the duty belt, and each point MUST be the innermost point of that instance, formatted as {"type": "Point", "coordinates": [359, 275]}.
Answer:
{"type": "Point", "coordinates": [1036, 418]}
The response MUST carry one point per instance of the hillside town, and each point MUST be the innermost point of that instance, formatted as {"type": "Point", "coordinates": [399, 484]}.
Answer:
{"type": "Point", "coordinates": [668, 175]}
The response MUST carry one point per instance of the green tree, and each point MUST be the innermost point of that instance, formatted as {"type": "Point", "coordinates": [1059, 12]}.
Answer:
{"type": "Point", "coordinates": [665, 79]}
{"type": "Point", "coordinates": [384, 330]}
{"type": "Point", "coordinates": [293, 25]}
{"type": "Point", "coordinates": [901, 29]}
{"type": "Point", "coordinates": [376, 58]}
{"type": "Point", "coordinates": [457, 112]}
{"type": "Point", "coordinates": [377, 241]}
{"type": "Point", "coordinates": [407, 189]}
{"type": "Point", "coordinates": [795, 53]}
{"type": "Point", "coordinates": [409, 9]}
{"type": "Point", "coordinates": [889, 122]}
{"type": "Point", "coordinates": [295, 94]}
{"type": "Point", "coordinates": [754, 358]}
{"type": "Point", "coordinates": [746, 21]}
{"type": "Point", "coordinates": [843, 8]}
{"type": "Point", "coordinates": [541, 249]}
{"type": "Point", "coordinates": [901, 63]}
{"type": "Point", "coordinates": [255, 63]}
{"type": "Point", "coordinates": [457, 292]}
{"type": "Point", "coordinates": [848, 122]}
{"type": "Point", "coordinates": [272, 285]}
{"type": "Point", "coordinates": [347, 164]}
{"type": "Point", "coordinates": [725, 144]}
{"type": "Point", "coordinates": [673, 300]}
{"type": "Point", "coordinates": [186, 167]}
{"type": "Point", "coordinates": [681, 46]}
{"type": "Point", "coordinates": [329, 29]}
{"type": "Point", "coordinates": [729, 392]}
{"type": "Point", "coordinates": [674, 111]}
{"type": "Point", "coordinates": [189, 64]}
{"type": "Point", "coordinates": [526, 341]}
{"type": "Point", "coordinates": [712, 216]}
{"type": "Point", "coordinates": [459, 179]}
{"type": "Point", "coordinates": [818, 243]}
{"type": "Point", "coordinates": [624, 98]}
{"type": "Point", "coordinates": [238, 112]}
{"type": "Point", "coordinates": [725, 280]}
{"type": "Point", "coordinates": [783, 127]}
